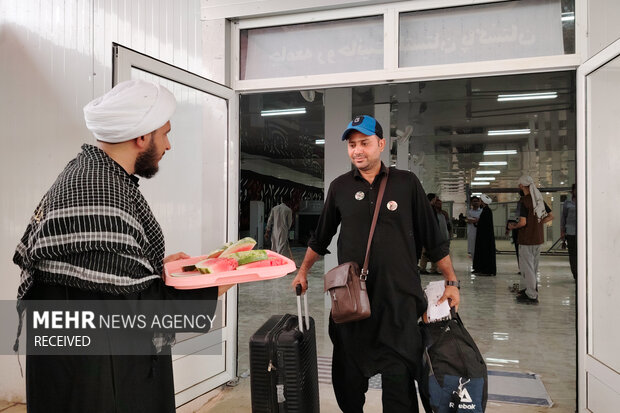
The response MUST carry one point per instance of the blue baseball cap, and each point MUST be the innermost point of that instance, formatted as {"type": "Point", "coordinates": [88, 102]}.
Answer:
{"type": "Point", "coordinates": [365, 124]}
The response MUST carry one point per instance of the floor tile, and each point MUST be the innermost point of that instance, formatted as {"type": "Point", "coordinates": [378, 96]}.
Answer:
{"type": "Point", "coordinates": [511, 336]}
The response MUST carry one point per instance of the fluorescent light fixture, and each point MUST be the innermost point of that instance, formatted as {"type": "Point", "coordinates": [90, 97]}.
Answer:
{"type": "Point", "coordinates": [508, 132]}
{"type": "Point", "coordinates": [493, 163]}
{"type": "Point", "coordinates": [503, 361]}
{"type": "Point", "coordinates": [489, 172]}
{"type": "Point", "coordinates": [476, 193]}
{"type": "Point", "coordinates": [481, 183]}
{"type": "Point", "coordinates": [281, 112]}
{"type": "Point", "coordinates": [568, 16]}
{"type": "Point", "coordinates": [484, 178]}
{"type": "Point", "coordinates": [526, 96]}
{"type": "Point", "coordinates": [501, 336]}
{"type": "Point", "coordinates": [320, 141]}
{"type": "Point", "coordinates": [506, 152]}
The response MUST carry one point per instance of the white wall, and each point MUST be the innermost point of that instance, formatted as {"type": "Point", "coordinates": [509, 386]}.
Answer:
{"type": "Point", "coordinates": [55, 56]}
{"type": "Point", "coordinates": [218, 9]}
{"type": "Point", "coordinates": [603, 27]}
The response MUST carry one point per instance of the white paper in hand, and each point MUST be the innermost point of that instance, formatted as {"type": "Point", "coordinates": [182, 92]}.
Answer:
{"type": "Point", "coordinates": [434, 290]}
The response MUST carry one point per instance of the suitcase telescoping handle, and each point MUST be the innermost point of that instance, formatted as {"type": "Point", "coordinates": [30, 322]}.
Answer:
{"type": "Point", "coordinates": [299, 317]}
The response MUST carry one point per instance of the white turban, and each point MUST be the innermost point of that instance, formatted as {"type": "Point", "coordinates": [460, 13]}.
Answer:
{"type": "Point", "coordinates": [131, 109]}
{"type": "Point", "coordinates": [486, 199]}
{"type": "Point", "coordinates": [537, 199]}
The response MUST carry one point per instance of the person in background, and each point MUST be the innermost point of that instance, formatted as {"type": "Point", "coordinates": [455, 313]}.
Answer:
{"type": "Point", "coordinates": [535, 213]}
{"type": "Point", "coordinates": [484, 261]}
{"type": "Point", "coordinates": [444, 228]}
{"type": "Point", "coordinates": [569, 229]}
{"type": "Point", "coordinates": [440, 211]}
{"type": "Point", "coordinates": [515, 232]}
{"type": "Point", "coordinates": [462, 221]}
{"type": "Point", "coordinates": [278, 225]}
{"type": "Point", "coordinates": [472, 221]}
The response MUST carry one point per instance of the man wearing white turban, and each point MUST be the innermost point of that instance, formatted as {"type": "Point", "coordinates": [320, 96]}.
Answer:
{"type": "Point", "coordinates": [533, 215]}
{"type": "Point", "coordinates": [131, 124]}
{"type": "Point", "coordinates": [94, 237]}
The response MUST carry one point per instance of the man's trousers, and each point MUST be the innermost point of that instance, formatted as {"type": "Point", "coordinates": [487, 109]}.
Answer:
{"type": "Point", "coordinates": [529, 256]}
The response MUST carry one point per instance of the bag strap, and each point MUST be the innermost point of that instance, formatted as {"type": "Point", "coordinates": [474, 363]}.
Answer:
{"type": "Point", "coordinates": [364, 273]}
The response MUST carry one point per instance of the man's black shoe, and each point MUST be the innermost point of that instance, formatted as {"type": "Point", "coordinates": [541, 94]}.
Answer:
{"type": "Point", "coordinates": [523, 298]}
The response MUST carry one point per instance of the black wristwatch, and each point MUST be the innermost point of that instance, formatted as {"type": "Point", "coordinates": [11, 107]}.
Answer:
{"type": "Point", "coordinates": [456, 284]}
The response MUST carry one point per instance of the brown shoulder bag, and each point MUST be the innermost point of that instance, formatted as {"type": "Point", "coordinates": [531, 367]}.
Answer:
{"type": "Point", "coordinates": [346, 284]}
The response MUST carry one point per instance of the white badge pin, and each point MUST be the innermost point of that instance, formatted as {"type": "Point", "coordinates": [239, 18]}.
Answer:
{"type": "Point", "coordinates": [392, 205]}
{"type": "Point", "coordinates": [359, 195]}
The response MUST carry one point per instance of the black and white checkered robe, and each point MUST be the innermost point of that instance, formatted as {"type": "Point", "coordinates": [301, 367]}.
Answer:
{"type": "Point", "coordinates": [92, 230]}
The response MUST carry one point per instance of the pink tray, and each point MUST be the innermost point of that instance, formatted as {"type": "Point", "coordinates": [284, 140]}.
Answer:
{"type": "Point", "coordinates": [191, 281]}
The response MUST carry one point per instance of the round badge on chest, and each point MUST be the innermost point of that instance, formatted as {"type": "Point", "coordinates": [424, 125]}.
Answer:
{"type": "Point", "coordinates": [359, 195]}
{"type": "Point", "coordinates": [392, 205]}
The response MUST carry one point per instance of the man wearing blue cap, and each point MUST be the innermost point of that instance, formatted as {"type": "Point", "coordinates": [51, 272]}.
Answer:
{"type": "Point", "coordinates": [388, 342]}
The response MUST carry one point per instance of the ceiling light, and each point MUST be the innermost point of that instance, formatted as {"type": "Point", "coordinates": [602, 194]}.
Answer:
{"type": "Point", "coordinates": [281, 112]}
{"type": "Point", "coordinates": [504, 361]}
{"type": "Point", "coordinates": [493, 163]}
{"type": "Point", "coordinates": [527, 96]}
{"type": "Point", "coordinates": [506, 152]}
{"type": "Point", "coordinates": [487, 172]}
{"type": "Point", "coordinates": [481, 183]}
{"type": "Point", "coordinates": [568, 16]}
{"type": "Point", "coordinates": [501, 336]}
{"type": "Point", "coordinates": [508, 132]}
{"type": "Point", "coordinates": [476, 193]}
{"type": "Point", "coordinates": [320, 141]}
{"type": "Point", "coordinates": [484, 178]}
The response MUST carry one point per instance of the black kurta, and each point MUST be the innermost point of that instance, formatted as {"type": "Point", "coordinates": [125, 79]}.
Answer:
{"type": "Point", "coordinates": [484, 258]}
{"type": "Point", "coordinates": [110, 383]}
{"type": "Point", "coordinates": [394, 287]}
{"type": "Point", "coordinates": [94, 237]}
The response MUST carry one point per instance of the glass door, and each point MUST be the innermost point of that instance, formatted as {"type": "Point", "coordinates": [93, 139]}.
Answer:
{"type": "Point", "coordinates": [191, 198]}
{"type": "Point", "coordinates": [597, 232]}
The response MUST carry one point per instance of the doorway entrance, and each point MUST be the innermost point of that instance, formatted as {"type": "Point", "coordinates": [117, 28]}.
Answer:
{"type": "Point", "coordinates": [461, 137]}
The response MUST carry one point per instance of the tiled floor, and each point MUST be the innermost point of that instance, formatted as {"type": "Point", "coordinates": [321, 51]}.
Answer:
{"type": "Point", "coordinates": [511, 336]}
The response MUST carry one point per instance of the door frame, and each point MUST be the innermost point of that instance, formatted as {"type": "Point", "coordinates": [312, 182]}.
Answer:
{"type": "Point", "coordinates": [586, 364]}
{"type": "Point", "coordinates": [124, 59]}
{"type": "Point", "coordinates": [391, 71]}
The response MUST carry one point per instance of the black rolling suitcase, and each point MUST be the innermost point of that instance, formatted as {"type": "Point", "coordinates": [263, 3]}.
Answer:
{"type": "Point", "coordinates": [283, 364]}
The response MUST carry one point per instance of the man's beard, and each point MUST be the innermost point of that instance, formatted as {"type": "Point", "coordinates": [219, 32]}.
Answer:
{"type": "Point", "coordinates": [147, 162]}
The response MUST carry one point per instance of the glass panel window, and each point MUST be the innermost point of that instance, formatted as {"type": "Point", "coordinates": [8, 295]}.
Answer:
{"type": "Point", "coordinates": [337, 46]}
{"type": "Point", "coordinates": [517, 29]}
